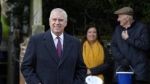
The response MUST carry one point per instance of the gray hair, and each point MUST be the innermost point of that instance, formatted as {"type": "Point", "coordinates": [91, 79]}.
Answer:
{"type": "Point", "coordinates": [59, 10]}
{"type": "Point", "coordinates": [130, 16]}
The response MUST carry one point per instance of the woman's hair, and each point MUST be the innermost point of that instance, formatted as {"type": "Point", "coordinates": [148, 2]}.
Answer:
{"type": "Point", "coordinates": [84, 38]}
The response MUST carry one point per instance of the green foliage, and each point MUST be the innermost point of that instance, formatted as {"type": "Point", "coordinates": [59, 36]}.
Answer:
{"type": "Point", "coordinates": [6, 28]}
{"type": "Point", "coordinates": [79, 36]}
{"type": "Point", "coordinates": [83, 12]}
{"type": "Point", "coordinates": [108, 38]}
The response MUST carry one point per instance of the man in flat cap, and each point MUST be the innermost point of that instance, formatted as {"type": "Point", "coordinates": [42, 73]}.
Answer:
{"type": "Point", "coordinates": [130, 45]}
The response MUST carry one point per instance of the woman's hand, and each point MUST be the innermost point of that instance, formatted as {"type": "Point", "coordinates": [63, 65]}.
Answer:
{"type": "Point", "coordinates": [88, 72]}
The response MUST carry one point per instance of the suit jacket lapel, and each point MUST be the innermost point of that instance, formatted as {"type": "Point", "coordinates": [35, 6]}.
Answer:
{"type": "Point", "coordinates": [49, 43]}
{"type": "Point", "coordinates": [66, 48]}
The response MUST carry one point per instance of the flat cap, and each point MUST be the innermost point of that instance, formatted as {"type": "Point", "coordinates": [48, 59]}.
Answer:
{"type": "Point", "coordinates": [124, 10]}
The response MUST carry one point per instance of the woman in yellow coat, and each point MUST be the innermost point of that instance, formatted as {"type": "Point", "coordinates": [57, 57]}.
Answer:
{"type": "Point", "coordinates": [95, 55]}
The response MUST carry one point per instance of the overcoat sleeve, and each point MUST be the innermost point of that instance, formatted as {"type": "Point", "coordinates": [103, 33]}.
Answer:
{"type": "Point", "coordinates": [29, 64]}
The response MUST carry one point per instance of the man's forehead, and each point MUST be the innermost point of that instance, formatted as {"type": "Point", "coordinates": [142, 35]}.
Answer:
{"type": "Point", "coordinates": [57, 18]}
{"type": "Point", "coordinates": [61, 16]}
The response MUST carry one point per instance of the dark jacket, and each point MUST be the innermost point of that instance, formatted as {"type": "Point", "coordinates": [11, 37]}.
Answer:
{"type": "Point", "coordinates": [104, 68]}
{"type": "Point", "coordinates": [41, 62]}
{"type": "Point", "coordinates": [135, 49]}
{"type": "Point", "coordinates": [101, 69]}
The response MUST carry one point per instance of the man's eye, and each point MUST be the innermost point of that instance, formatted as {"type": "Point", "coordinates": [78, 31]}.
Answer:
{"type": "Point", "coordinates": [60, 20]}
{"type": "Point", "coordinates": [54, 19]}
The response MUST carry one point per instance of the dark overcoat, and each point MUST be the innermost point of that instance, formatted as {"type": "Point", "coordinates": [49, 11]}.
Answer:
{"type": "Point", "coordinates": [135, 49]}
{"type": "Point", "coordinates": [41, 62]}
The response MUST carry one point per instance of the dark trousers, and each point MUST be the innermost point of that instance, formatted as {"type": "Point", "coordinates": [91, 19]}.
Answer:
{"type": "Point", "coordinates": [140, 82]}
{"type": "Point", "coordinates": [136, 82]}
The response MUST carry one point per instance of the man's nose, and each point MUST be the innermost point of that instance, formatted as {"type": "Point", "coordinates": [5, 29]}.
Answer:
{"type": "Point", "coordinates": [57, 21]}
{"type": "Point", "coordinates": [118, 19]}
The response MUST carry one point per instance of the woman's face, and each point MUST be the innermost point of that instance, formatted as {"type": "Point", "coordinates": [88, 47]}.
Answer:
{"type": "Point", "coordinates": [91, 34]}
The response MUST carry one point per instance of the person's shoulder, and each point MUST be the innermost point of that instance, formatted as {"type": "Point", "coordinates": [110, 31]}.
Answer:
{"type": "Point", "coordinates": [37, 35]}
{"type": "Point", "coordinates": [140, 23]}
{"type": "Point", "coordinates": [118, 27]}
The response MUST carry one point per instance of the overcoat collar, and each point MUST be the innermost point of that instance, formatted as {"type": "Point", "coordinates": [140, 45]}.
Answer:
{"type": "Point", "coordinates": [49, 43]}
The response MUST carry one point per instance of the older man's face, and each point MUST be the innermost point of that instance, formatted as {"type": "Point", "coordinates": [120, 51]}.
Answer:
{"type": "Point", "coordinates": [123, 19]}
{"type": "Point", "coordinates": [57, 23]}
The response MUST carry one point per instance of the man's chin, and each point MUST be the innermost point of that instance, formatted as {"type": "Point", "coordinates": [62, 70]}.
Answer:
{"type": "Point", "coordinates": [121, 24]}
{"type": "Point", "coordinates": [57, 31]}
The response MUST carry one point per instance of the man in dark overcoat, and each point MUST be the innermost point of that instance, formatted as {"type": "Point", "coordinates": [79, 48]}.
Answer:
{"type": "Point", "coordinates": [130, 45]}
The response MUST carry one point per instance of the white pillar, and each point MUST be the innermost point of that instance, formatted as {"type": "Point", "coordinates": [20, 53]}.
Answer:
{"type": "Point", "coordinates": [36, 23]}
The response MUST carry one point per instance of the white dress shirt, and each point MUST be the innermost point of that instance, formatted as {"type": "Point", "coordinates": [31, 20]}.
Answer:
{"type": "Point", "coordinates": [56, 40]}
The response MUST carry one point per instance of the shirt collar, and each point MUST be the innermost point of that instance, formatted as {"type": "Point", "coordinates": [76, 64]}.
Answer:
{"type": "Point", "coordinates": [131, 26]}
{"type": "Point", "coordinates": [54, 36]}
